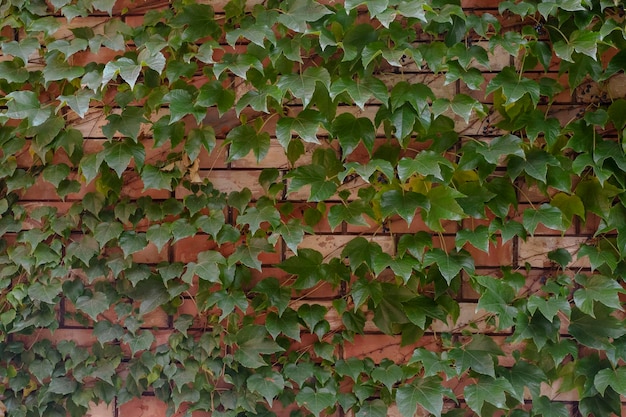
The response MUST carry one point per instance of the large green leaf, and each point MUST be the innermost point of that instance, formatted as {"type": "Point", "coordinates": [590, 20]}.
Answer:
{"type": "Point", "coordinates": [487, 390]}
{"type": "Point", "coordinates": [316, 401]}
{"type": "Point", "coordinates": [303, 85]}
{"type": "Point", "coordinates": [478, 355]}
{"type": "Point", "coordinates": [245, 139]}
{"type": "Point", "coordinates": [403, 203]}
{"type": "Point", "coordinates": [513, 86]}
{"type": "Point", "coordinates": [252, 342]}
{"type": "Point", "coordinates": [426, 392]}
{"type": "Point", "coordinates": [26, 105]}
{"type": "Point", "coordinates": [351, 130]}
{"type": "Point", "coordinates": [269, 384]}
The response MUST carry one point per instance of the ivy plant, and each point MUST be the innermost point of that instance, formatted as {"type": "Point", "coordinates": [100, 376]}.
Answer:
{"type": "Point", "coordinates": [414, 139]}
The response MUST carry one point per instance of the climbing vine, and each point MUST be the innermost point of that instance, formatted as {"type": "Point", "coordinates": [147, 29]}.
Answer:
{"type": "Point", "coordinates": [414, 136]}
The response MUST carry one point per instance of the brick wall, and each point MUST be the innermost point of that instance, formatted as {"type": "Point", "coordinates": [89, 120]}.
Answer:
{"type": "Point", "coordinates": [243, 173]}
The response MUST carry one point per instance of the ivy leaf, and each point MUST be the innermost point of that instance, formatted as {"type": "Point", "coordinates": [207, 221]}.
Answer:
{"type": "Point", "coordinates": [156, 179]}
{"type": "Point", "coordinates": [487, 390]}
{"type": "Point", "coordinates": [502, 145]}
{"type": "Point", "coordinates": [287, 323]}
{"type": "Point", "coordinates": [315, 177]}
{"type": "Point", "coordinates": [107, 231]}
{"type": "Point", "coordinates": [268, 384]}
{"type": "Point", "coordinates": [13, 72]}
{"type": "Point", "coordinates": [351, 130]}
{"type": "Point", "coordinates": [254, 217]}
{"type": "Point", "coordinates": [463, 105]}
{"type": "Point", "coordinates": [427, 392]}
{"type": "Point", "coordinates": [127, 123]}
{"type": "Point", "coordinates": [403, 119]}
{"type": "Point", "coordinates": [244, 139]}
{"type": "Point", "coordinates": [141, 341]}
{"type": "Point", "coordinates": [598, 257]}
{"type": "Point", "coordinates": [197, 139]}
{"type": "Point", "coordinates": [597, 331]}
{"type": "Point", "coordinates": [93, 304]}
{"type": "Point", "coordinates": [22, 49]}
{"type": "Point", "coordinates": [307, 266]}
{"type": "Point", "coordinates": [449, 264]}
{"type": "Point", "coordinates": [615, 378]}
{"type": "Point", "coordinates": [26, 105]}
{"type": "Point", "coordinates": [402, 203]}
{"type": "Point", "coordinates": [226, 301]}
{"type": "Point", "coordinates": [292, 233]}
{"type": "Point", "coordinates": [582, 41]}
{"type": "Point", "coordinates": [513, 87]}
{"type": "Point", "coordinates": [424, 163]}
{"type": "Point", "coordinates": [361, 251]}
{"type": "Point", "coordinates": [316, 401]}
{"type": "Point", "coordinates": [252, 342]}
{"type": "Point", "coordinates": [79, 102]}
{"type": "Point", "coordinates": [303, 85]}
{"type": "Point", "coordinates": [132, 242]}
{"type": "Point", "coordinates": [214, 94]}
{"type": "Point", "coordinates": [389, 375]}
{"type": "Point", "coordinates": [299, 12]}
{"type": "Point", "coordinates": [306, 125]}
{"type": "Point", "coordinates": [62, 385]}
{"type": "Point", "coordinates": [597, 288]}
{"type": "Point", "coordinates": [159, 235]}
{"type": "Point", "coordinates": [118, 154]}
{"type": "Point", "coordinates": [570, 206]}
{"type": "Point", "coordinates": [546, 214]}
{"type": "Point", "coordinates": [248, 254]}
{"type": "Point", "coordinates": [361, 90]}
{"type": "Point", "coordinates": [373, 408]}
{"type": "Point", "coordinates": [545, 407]}
{"type": "Point", "coordinates": [443, 206]}
{"type": "Point", "coordinates": [478, 355]}
{"type": "Point", "coordinates": [182, 104]}
{"type": "Point", "coordinates": [198, 20]}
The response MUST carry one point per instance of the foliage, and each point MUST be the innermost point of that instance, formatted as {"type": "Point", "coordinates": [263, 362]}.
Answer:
{"type": "Point", "coordinates": [123, 143]}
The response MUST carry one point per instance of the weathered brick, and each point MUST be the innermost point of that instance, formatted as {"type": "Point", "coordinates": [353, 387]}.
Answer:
{"type": "Point", "coordinates": [535, 249]}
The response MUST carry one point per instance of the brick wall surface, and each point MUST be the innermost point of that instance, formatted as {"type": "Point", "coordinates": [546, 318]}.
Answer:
{"type": "Point", "coordinates": [244, 173]}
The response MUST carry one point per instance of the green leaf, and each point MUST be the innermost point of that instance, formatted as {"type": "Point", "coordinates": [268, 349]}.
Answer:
{"type": "Point", "coordinates": [159, 235]}
{"type": "Point", "coordinates": [361, 90]}
{"type": "Point", "coordinates": [248, 253]}
{"type": "Point", "coordinates": [132, 242]}
{"type": "Point", "coordinates": [478, 355]}
{"type": "Point", "coordinates": [303, 85]}
{"type": "Point", "coordinates": [373, 408]}
{"type": "Point", "coordinates": [141, 341]}
{"type": "Point", "coordinates": [307, 266]}
{"type": "Point", "coordinates": [306, 125]}
{"type": "Point", "coordinates": [424, 163]}
{"type": "Point", "coordinates": [443, 206]}
{"type": "Point", "coordinates": [79, 102]}
{"type": "Point", "coordinates": [487, 390]}
{"type": "Point", "coordinates": [597, 288]}
{"type": "Point", "coordinates": [254, 217]}
{"type": "Point", "coordinates": [252, 342]}
{"type": "Point", "coordinates": [351, 130]}
{"type": "Point", "coordinates": [500, 146]}
{"type": "Point", "coordinates": [26, 105]}
{"type": "Point", "coordinates": [551, 217]}
{"type": "Point", "coordinates": [545, 407]}
{"type": "Point", "coordinates": [22, 49]}
{"type": "Point", "coordinates": [244, 139]}
{"type": "Point", "coordinates": [615, 378]}
{"type": "Point", "coordinates": [361, 251]}
{"type": "Point", "coordinates": [198, 19]}
{"type": "Point", "coordinates": [93, 305]}
{"type": "Point", "coordinates": [582, 41]}
{"type": "Point", "coordinates": [403, 120]}
{"type": "Point", "coordinates": [513, 87]}
{"type": "Point", "coordinates": [463, 105]}
{"type": "Point", "coordinates": [426, 392]}
{"type": "Point", "coordinates": [127, 123]}
{"type": "Point", "coordinates": [13, 72]}
{"type": "Point", "coordinates": [595, 332]}
{"type": "Point", "coordinates": [118, 154]}
{"type": "Point", "coordinates": [315, 177]}
{"type": "Point", "coordinates": [299, 12]}
{"type": "Point", "coordinates": [62, 385]}
{"type": "Point", "coordinates": [402, 203]}
{"type": "Point", "coordinates": [570, 206]}
{"type": "Point", "coordinates": [449, 264]}
{"type": "Point", "coordinates": [287, 323]}
{"type": "Point", "coordinates": [182, 104]}
{"type": "Point", "coordinates": [269, 384]}
{"type": "Point", "coordinates": [316, 401]}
